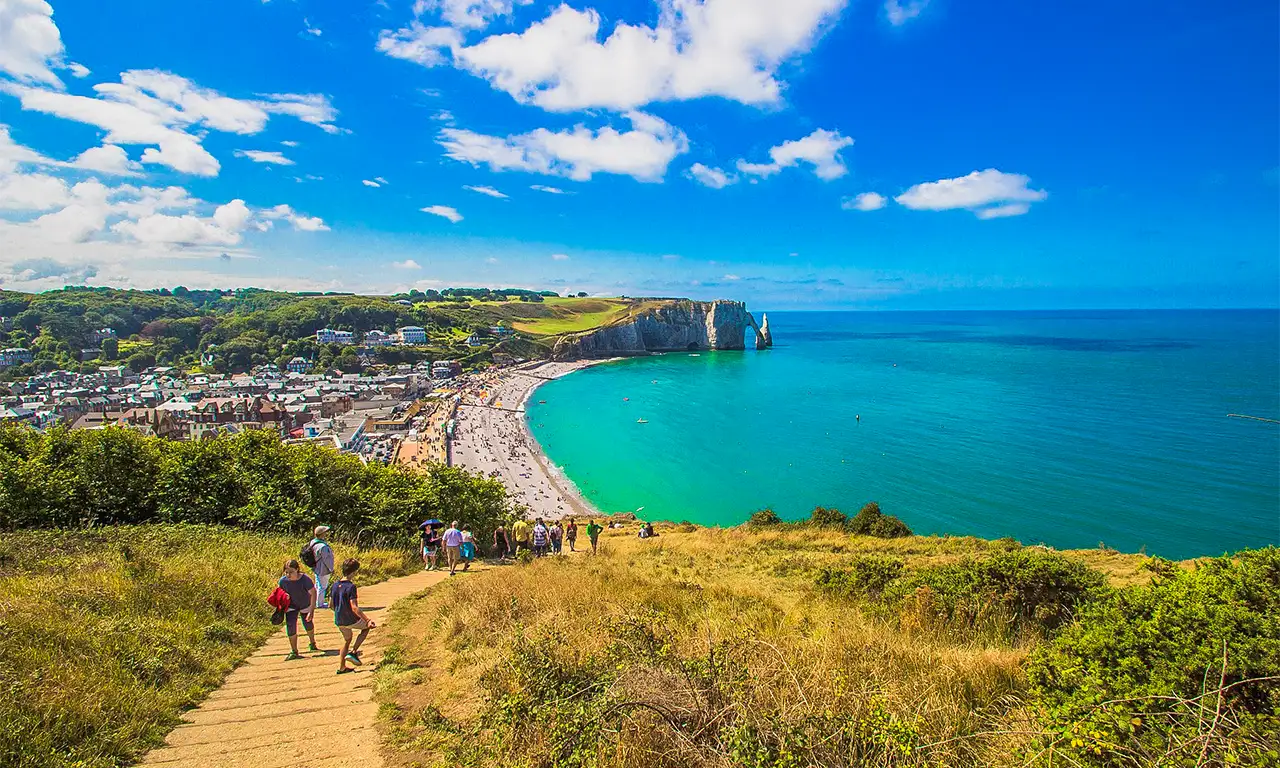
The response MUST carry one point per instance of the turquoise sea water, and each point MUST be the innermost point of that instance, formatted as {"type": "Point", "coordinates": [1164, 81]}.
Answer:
{"type": "Point", "coordinates": [1068, 428]}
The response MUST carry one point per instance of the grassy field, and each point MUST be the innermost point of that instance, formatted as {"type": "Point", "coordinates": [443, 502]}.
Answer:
{"type": "Point", "coordinates": [109, 634]}
{"type": "Point", "coordinates": [569, 315]}
{"type": "Point", "coordinates": [710, 647]}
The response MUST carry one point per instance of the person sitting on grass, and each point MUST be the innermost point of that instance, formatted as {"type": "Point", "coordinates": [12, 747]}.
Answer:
{"type": "Point", "coordinates": [302, 602]}
{"type": "Point", "coordinates": [349, 618]}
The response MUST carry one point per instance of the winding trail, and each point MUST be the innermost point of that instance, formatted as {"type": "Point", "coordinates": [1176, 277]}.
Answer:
{"type": "Point", "coordinates": [272, 713]}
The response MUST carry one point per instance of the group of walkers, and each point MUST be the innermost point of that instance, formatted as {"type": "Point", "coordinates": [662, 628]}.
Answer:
{"type": "Point", "coordinates": [298, 597]}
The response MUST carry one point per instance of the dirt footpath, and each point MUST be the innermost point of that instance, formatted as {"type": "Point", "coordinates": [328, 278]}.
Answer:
{"type": "Point", "coordinates": [273, 713]}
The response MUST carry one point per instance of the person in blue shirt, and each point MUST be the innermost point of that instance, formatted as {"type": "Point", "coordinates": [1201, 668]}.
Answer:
{"type": "Point", "coordinates": [348, 617]}
{"type": "Point", "coordinates": [302, 604]}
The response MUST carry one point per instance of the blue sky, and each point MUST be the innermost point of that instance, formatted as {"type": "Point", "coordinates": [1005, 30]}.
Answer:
{"type": "Point", "coordinates": [793, 153]}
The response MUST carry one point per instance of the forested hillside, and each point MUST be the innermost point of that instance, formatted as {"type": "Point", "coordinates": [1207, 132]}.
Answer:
{"type": "Point", "coordinates": [250, 326]}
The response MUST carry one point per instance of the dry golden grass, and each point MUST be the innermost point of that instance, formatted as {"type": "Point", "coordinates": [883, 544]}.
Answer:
{"type": "Point", "coordinates": [786, 665]}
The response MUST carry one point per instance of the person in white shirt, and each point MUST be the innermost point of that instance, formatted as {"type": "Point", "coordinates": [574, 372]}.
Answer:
{"type": "Point", "coordinates": [323, 568]}
{"type": "Point", "coordinates": [452, 547]}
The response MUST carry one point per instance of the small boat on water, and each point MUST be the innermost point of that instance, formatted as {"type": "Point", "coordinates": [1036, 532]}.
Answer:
{"type": "Point", "coordinates": [642, 421]}
{"type": "Point", "coordinates": [542, 402]}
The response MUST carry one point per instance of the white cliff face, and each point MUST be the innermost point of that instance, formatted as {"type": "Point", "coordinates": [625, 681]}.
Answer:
{"type": "Point", "coordinates": [670, 327]}
{"type": "Point", "coordinates": [764, 331]}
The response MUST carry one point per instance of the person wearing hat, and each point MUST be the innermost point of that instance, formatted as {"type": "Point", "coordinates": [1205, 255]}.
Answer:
{"type": "Point", "coordinates": [323, 569]}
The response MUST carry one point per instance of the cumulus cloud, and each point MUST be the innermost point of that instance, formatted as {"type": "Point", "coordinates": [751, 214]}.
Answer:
{"type": "Point", "coordinates": [545, 188]}
{"type": "Point", "coordinates": [78, 70]}
{"type": "Point", "coordinates": [644, 152]}
{"type": "Point", "coordinates": [490, 191]}
{"type": "Point", "coordinates": [370, 183]}
{"type": "Point", "coordinates": [444, 212]}
{"type": "Point", "coordinates": [169, 114]}
{"type": "Point", "coordinates": [260, 156]}
{"type": "Point", "coordinates": [108, 159]}
{"type": "Point", "coordinates": [727, 48]}
{"type": "Point", "coordinates": [867, 201]}
{"type": "Point", "coordinates": [820, 150]}
{"type": "Point", "coordinates": [30, 43]}
{"type": "Point", "coordinates": [711, 177]}
{"type": "Point", "coordinates": [406, 264]}
{"type": "Point", "coordinates": [300, 222]}
{"type": "Point", "coordinates": [989, 194]}
{"type": "Point", "coordinates": [899, 13]}
{"type": "Point", "coordinates": [472, 14]}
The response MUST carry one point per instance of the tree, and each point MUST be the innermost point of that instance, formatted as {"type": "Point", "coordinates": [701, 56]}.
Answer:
{"type": "Point", "coordinates": [110, 348]}
{"type": "Point", "coordinates": [140, 361]}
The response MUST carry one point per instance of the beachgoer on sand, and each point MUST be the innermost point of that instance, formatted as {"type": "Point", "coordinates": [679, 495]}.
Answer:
{"type": "Point", "coordinates": [571, 533]}
{"type": "Point", "coordinates": [349, 618]}
{"type": "Point", "coordinates": [540, 536]}
{"type": "Point", "coordinates": [318, 556]}
{"type": "Point", "coordinates": [302, 604]}
{"type": "Point", "coordinates": [453, 547]}
{"type": "Point", "coordinates": [593, 533]}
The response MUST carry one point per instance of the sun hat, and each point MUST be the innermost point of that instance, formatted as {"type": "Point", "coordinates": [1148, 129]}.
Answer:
{"type": "Point", "coordinates": [321, 530]}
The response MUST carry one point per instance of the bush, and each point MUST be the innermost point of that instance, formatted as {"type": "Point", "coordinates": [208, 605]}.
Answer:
{"type": "Point", "coordinates": [870, 521]}
{"type": "Point", "coordinates": [828, 518]}
{"type": "Point", "coordinates": [866, 575]}
{"type": "Point", "coordinates": [1006, 593]}
{"type": "Point", "coordinates": [1179, 672]}
{"type": "Point", "coordinates": [765, 517]}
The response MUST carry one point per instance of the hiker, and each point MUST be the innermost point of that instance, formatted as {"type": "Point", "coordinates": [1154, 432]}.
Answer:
{"type": "Point", "coordinates": [593, 533]}
{"type": "Point", "coordinates": [468, 547]}
{"type": "Point", "coordinates": [521, 531]}
{"type": "Point", "coordinates": [539, 536]}
{"type": "Point", "coordinates": [571, 533]}
{"type": "Point", "coordinates": [302, 602]}
{"type": "Point", "coordinates": [430, 546]}
{"type": "Point", "coordinates": [501, 542]}
{"type": "Point", "coordinates": [556, 534]}
{"type": "Point", "coordinates": [318, 556]}
{"type": "Point", "coordinates": [349, 618]}
{"type": "Point", "coordinates": [452, 547]}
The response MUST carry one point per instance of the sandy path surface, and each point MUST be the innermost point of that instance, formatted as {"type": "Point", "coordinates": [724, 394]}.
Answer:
{"type": "Point", "coordinates": [491, 436]}
{"type": "Point", "coordinates": [273, 713]}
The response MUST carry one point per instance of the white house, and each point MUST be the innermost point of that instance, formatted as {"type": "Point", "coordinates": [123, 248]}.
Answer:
{"type": "Point", "coordinates": [412, 334]}
{"type": "Point", "coordinates": [376, 338]}
{"type": "Point", "coordinates": [330, 336]}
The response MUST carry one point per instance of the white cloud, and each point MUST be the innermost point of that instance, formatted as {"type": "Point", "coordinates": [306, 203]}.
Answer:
{"type": "Point", "coordinates": [32, 192]}
{"type": "Point", "coordinates": [418, 43]}
{"type": "Point", "coordinates": [259, 156]}
{"type": "Point", "coordinates": [644, 152]}
{"type": "Point", "coordinates": [443, 116]}
{"type": "Point", "coordinates": [670, 257]}
{"type": "Point", "coordinates": [165, 112]}
{"type": "Point", "coordinates": [299, 221]}
{"type": "Point", "coordinates": [545, 188]}
{"type": "Point", "coordinates": [820, 149]}
{"type": "Point", "coordinates": [473, 14]}
{"type": "Point", "coordinates": [30, 43]}
{"type": "Point", "coordinates": [79, 70]}
{"type": "Point", "coordinates": [289, 143]}
{"type": "Point", "coordinates": [490, 191]}
{"type": "Point", "coordinates": [406, 264]}
{"type": "Point", "coordinates": [309, 29]}
{"type": "Point", "coordinates": [732, 277]}
{"type": "Point", "coordinates": [444, 212]}
{"type": "Point", "coordinates": [559, 257]}
{"type": "Point", "coordinates": [370, 183]}
{"type": "Point", "coordinates": [491, 260]}
{"type": "Point", "coordinates": [187, 229]}
{"type": "Point", "coordinates": [899, 13]}
{"type": "Point", "coordinates": [728, 48]}
{"type": "Point", "coordinates": [381, 180]}
{"type": "Point", "coordinates": [711, 177]}
{"type": "Point", "coordinates": [989, 194]}
{"type": "Point", "coordinates": [867, 201]}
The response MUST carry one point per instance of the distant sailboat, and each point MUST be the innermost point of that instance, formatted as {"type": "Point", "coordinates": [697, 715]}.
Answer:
{"type": "Point", "coordinates": [642, 421]}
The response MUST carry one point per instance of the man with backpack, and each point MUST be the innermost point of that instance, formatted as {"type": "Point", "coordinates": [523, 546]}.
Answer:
{"type": "Point", "coordinates": [318, 556]}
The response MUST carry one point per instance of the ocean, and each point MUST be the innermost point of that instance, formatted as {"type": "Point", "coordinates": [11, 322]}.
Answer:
{"type": "Point", "coordinates": [1068, 428]}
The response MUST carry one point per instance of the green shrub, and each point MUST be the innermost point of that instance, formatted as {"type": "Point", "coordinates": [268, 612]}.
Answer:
{"type": "Point", "coordinates": [828, 518]}
{"type": "Point", "coordinates": [764, 517]}
{"type": "Point", "coordinates": [870, 521]}
{"type": "Point", "coordinates": [866, 575]}
{"type": "Point", "coordinates": [1179, 672]}
{"type": "Point", "coordinates": [1007, 592]}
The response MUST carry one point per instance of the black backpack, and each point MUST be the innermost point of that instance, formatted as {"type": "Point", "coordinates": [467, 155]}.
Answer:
{"type": "Point", "coordinates": [308, 555]}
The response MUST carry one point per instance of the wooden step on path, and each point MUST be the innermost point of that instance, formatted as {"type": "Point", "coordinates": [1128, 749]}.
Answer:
{"type": "Point", "coordinates": [272, 713]}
